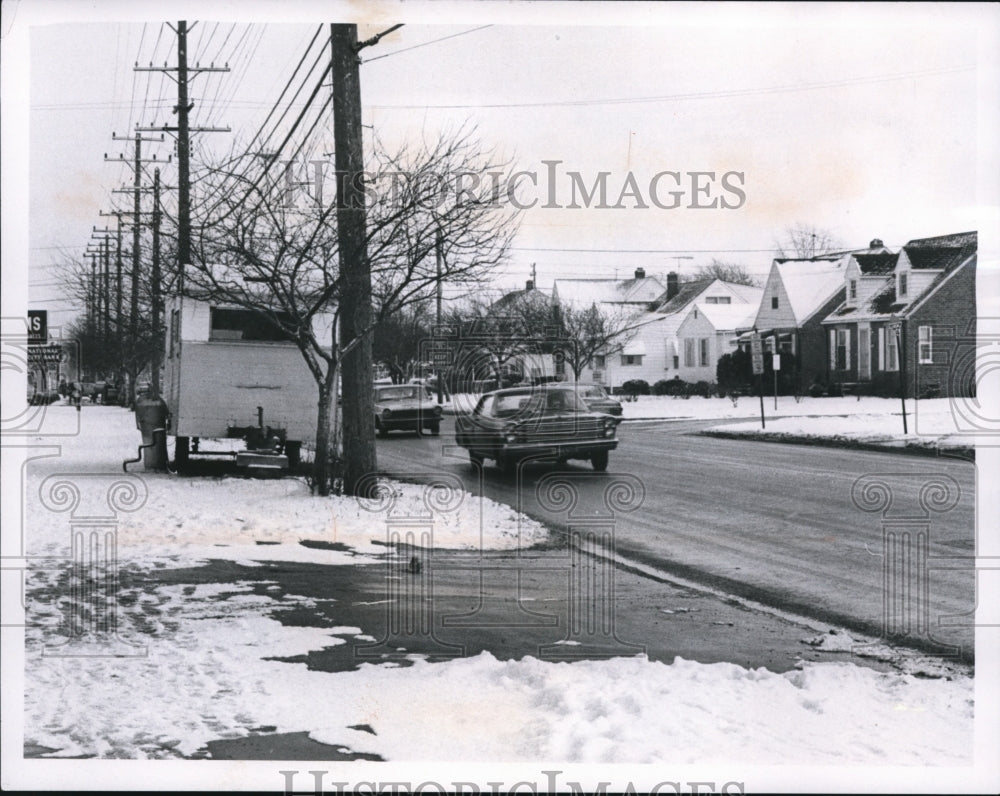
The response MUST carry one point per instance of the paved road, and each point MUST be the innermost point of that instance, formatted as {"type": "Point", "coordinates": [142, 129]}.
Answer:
{"type": "Point", "coordinates": [839, 535]}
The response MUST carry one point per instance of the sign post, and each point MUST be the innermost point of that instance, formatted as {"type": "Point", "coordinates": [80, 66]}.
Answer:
{"type": "Point", "coordinates": [896, 330]}
{"type": "Point", "coordinates": [757, 355]}
{"type": "Point", "coordinates": [776, 366]}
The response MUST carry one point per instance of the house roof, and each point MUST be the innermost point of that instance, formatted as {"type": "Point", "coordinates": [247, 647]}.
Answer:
{"type": "Point", "coordinates": [809, 284]}
{"type": "Point", "coordinates": [643, 290]}
{"type": "Point", "coordinates": [516, 296]}
{"type": "Point", "coordinates": [727, 317]}
{"type": "Point", "coordinates": [947, 253]}
{"type": "Point", "coordinates": [878, 263]}
{"type": "Point", "coordinates": [686, 293]}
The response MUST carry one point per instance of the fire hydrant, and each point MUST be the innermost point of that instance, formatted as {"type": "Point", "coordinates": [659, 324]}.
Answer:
{"type": "Point", "coordinates": [151, 420]}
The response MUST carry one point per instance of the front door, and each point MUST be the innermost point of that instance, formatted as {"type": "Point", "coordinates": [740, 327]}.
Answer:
{"type": "Point", "coordinates": [864, 352]}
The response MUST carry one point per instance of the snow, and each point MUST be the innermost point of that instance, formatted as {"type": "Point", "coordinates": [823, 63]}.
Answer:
{"type": "Point", "coordinates": [209, 670]}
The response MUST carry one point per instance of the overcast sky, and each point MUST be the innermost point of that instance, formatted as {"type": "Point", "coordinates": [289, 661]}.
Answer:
{"type": "Point", "coordinates": [866, 121]}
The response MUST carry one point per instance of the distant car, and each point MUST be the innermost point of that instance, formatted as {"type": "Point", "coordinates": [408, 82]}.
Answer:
{"type": "Point", "coordinates": [547, 423]}
{"type": "Point", "coordinates": [405, 407]}
{"type": "Point", "coordinates": [597, 399]}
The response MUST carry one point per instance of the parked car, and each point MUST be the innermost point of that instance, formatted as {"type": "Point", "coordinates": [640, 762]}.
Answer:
{"type": "Point", "coordinates": [547, 422]}
{"type": "Point", "coordinates": [596, 397]}
{"type": "Point", "coordinates": [405, 407]}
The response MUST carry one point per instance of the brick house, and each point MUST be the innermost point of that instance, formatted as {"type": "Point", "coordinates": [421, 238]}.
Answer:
{"type": "Point", "coordinates": [925, 294]}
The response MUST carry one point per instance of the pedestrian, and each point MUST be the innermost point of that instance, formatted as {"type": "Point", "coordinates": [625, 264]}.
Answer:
{"type": "Point", "coordinates": [77, 394]}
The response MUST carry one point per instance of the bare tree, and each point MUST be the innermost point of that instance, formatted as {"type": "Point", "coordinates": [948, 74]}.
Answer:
{"type": "Point", "coordinates": [498, 330]}
{"type": "Point", "coordinates": [260, 248]}
{"type": "Point", "coordinates": [598, 329]}
{"type": "Point", "coordinates": [735, 273]}
{"type": "Point", "coordinates": [802, 241]}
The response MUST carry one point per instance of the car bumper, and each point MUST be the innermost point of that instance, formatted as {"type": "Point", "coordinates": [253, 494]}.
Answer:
{"type": "Point", "coordinates": [576, 449]}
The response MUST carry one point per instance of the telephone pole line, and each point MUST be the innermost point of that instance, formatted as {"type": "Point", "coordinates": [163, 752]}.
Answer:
{"type": "Point", "coordinates": [182, 130]}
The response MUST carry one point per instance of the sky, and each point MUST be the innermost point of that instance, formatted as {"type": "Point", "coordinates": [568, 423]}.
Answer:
{"type": "Point", "coordinates": [861, 120]}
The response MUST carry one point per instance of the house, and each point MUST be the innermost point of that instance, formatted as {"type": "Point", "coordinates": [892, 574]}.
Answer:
{"type": "Point", "coordinates": [636, 293]}
{"type": "Point", "coordinates": [798, 295]}
{"type": "Point", "coordinates": [926, 295]}
{"type": "Point", "coordinates": [652, 352]}
{"type": "Point", "coordinates": [707, 332]}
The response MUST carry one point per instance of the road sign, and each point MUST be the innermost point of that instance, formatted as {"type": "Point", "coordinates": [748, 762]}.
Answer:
{"type": "Point", "coordinates": [756, 354]}
{"type": "Point", "coordinates": [38, 326]}
{"type": "Point", "coordinates": [776, 362]}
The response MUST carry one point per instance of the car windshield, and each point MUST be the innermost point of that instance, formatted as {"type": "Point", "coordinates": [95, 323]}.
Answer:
{"type": "Point", "coordinates": [401, 393]}
{"type": "Point", "coordinates": [531, 403]}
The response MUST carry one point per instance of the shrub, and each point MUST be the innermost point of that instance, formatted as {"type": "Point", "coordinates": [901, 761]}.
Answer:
{"type": "Point", "coordinates": [835, 390]}
{"type": "Point", "coordinates": [817, 390]}
{"type": "Point", "coordinates": [674, 386]}
{"type": "Point", "coordinates": [636, 387]}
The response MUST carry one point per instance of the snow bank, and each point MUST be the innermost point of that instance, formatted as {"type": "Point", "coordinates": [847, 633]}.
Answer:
{"type": "Point", "coordinates": [206, 677]}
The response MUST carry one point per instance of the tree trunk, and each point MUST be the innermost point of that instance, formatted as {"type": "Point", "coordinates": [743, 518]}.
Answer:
{"type": "Point", "coordinates": [321, 462]}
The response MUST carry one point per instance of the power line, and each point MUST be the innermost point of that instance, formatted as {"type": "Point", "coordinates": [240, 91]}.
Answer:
{"type": "Point", "coordinates": [721, 94]}
{"type": "Point", "coordinates": [425, 44]}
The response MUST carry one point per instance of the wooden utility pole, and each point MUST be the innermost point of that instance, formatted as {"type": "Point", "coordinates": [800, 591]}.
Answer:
{"type": "Point", "coordinates": [182, 74]}
{"type": "Point", "coordinates": [356, 297]}
{"type": "Point", "coordinates": [156, 288]}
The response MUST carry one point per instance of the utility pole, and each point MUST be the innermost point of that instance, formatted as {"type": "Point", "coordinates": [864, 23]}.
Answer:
{"type": "Point", "coordinates": [356, 313]}
{"type": "Point", "coordinates": [156, 288]}
{"type": "Point", "coordinates": [439, 257]}
{"type": "Point", "coordinates": [182, 130]}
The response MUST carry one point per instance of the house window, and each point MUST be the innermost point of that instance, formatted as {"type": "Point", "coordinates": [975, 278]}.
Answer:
{"type": "Point", "coordinates": [925, 345]}
{"type": "Point", "coordinates": [599, 362]}
{"type": "Point", "coordinates": [840, 349]}
{"type": "Point", "coordinates": [902, 284]}
{"type": "Point", "coordinates": [774, 302]}
{"type": "Point", "coordinates": [677, 361]}
{"type": "Point", "coordinates": [689, 352]}
{"type": "Point", "coordinates": [852, 288]}
{"type": "Point", "coordinates": [718, 300]}
{"type": "Point", "coordinates": [246, 325]}
{"type": "Point", "coordinates": [703, 352]}
{"type": "Point", "coordinates": [631, 359]}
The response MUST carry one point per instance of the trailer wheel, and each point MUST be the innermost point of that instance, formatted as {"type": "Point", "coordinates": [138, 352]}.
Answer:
{"type": "Point", "coordinates": [293, 450]}
{"type": "Point", "coordinates": [182, 449]}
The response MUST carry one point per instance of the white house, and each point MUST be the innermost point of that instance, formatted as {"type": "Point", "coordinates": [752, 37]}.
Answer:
{"type": "Point", "coordinates": [707, 332]}
{"type": "Point", "coordinates": [652, 352]}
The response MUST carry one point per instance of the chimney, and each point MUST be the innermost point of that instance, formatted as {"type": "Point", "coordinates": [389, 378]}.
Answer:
{"type": "Point", "coordinates": [640, 273]}
{"type": "Point", "coordinates": [673, 285]}
{"type": "Point", "coordinates": [529, 285]}
{"type": "Point", "coordinates": [876, 244]}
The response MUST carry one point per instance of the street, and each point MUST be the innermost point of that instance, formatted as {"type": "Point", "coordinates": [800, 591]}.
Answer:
{"type": "Point", "coordinates": [772, 523]}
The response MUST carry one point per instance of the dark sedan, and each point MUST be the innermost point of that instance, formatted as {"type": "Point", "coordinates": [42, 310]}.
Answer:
{"type": "Point", "coordinates": [405, 407]}
{"type": "Point", "coordinates": [596, 397]}
{"type": "Point", "coordinates": [548, 422]}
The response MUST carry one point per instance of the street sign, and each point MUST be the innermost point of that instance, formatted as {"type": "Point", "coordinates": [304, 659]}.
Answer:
{"type": "Point", "coordinates": [38, 326]}
{"type": "Point", "coordinates": [756, 354]}
{"type": "Point", "coordinates": [776, 362]}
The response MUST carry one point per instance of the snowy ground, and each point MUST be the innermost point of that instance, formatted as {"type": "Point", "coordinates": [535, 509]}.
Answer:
{"type": "Point", "coordinates": [207, 674]}
{"type": "Point", "coordinates": [937, 422]}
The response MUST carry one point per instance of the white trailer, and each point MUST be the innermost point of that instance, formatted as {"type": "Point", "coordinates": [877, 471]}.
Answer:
{"type": "Point", "coordinates": [228, 374]}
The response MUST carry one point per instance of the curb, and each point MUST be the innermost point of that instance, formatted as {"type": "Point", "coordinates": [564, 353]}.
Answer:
{"type": "Point", "coordinates": [958, 452]}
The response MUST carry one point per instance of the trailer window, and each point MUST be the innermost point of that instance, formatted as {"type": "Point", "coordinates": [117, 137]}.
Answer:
{"type": "Point", "coordinates": [247, 325]}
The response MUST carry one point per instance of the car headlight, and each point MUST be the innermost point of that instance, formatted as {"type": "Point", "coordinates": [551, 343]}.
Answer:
{"type": "Point", "coordinates": [386, 412]}
{"type": "Point", "coordinates": [609, 427]}
{"type": "Point", "coordinates": [437, 410]}
{"type": "Point", "coordinates": [510, 433]}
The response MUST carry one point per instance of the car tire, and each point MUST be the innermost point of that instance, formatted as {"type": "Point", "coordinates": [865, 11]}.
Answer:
{"type": "Point", "coordinates": [476, 460]}
{"type": "Point", "coordinates": [383, 432]}
{"type": "Point", "coordinates": [435, 428]}
{"type": "Point", "coordinates": [599, 460]}
{"type": "Point", "coordinates": [507, 465]}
